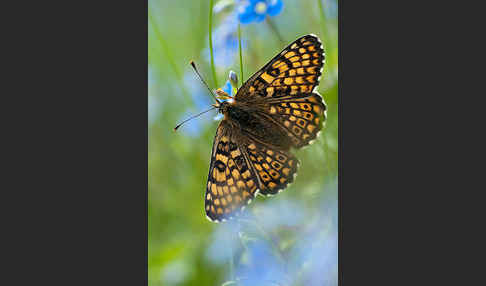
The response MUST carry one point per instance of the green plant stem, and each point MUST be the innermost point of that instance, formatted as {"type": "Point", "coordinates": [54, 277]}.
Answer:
{"type": "Point", "coordinates": [326, 41]}
{"type": "Point", "coordinates": [241, 55]}
{"type": "Point", "coordinates": [323, 18]}
{"type": "Point", "coordinates": [211, 42]}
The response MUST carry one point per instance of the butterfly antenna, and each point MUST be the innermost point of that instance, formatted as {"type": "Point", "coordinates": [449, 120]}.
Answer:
{"type": "Point", "coordinates": [201, 78]}
{"type": "Point", "coordinates": [192, 117]}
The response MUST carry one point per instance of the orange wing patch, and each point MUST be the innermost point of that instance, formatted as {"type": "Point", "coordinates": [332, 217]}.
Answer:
{"type": "Point", "coordinates": [295, 71]}
{"type": "Point", "coordinates": [275, 168]}
{"type": "Point", "coordinates": [231, 183]}
{"type": "Point", "coordinates": [301, 118]}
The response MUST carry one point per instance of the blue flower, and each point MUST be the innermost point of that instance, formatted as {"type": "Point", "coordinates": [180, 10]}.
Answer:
{"type": "Point", "coordinates": [228, 88]}
{"type": "Point", "coordinates": [256, 10]}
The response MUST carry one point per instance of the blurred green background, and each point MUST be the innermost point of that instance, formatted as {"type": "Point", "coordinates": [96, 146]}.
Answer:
{"type": "Point", "coordinates": [183, 245]}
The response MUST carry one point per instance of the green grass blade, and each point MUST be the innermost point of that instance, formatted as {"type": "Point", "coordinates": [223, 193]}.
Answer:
{"type": "Point", "coordinates": [213, 68]}
{"type": "Point", "coordinates": [242, 80]}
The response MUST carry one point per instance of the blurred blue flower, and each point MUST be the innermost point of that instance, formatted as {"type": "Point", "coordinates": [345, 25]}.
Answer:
{"type": "Point", "coordinates": [228, 88]}
{"type": "Point", "coordinates": [224, 242]}
{"type": "Point", "coordinates": [317, 247]}
{"type": "Point", "coordinates": [256, 10]}
{"type": "Point", "coordinates": [282, 242]}
{"type": "Point", "coordinates": [225, 42]}
{"type": "Point", "coordinates": [265, 267]}
{"type": "Point", "coordinates": [282, 213]}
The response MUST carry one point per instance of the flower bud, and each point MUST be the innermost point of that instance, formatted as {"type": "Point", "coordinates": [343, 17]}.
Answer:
{"type": "Point", "coordinates": [233, 79]}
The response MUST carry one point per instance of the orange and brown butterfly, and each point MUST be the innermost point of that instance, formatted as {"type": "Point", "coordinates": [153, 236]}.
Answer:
{"type": "Point", "coordinates": [275, 110]}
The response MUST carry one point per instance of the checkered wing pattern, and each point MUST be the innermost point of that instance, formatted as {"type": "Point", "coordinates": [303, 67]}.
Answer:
{"type": "Point", "coordinates": [232, 184]}
{"type": "Point", "coordinates": [275, 168]}
{"type": "Point", "coordinates": [295, 71]}
{"type": "Point", "coordinates": [301, 117]}
{"type": "Point", "coordinates": [276, 109]}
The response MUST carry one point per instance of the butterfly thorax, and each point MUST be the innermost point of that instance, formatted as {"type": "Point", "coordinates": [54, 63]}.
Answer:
{"type": "Point", "coordinates": [234, 112]}
{"type": "Point", "coordinates": [251, 121]}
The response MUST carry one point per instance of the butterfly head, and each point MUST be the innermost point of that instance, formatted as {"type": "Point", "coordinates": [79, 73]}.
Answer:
{"type": "Point", "coordinates": [222, 106]}
{"type": "Point", "coordinates": [225, 103]}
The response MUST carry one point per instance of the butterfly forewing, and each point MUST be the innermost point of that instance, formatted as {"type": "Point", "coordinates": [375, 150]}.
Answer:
{"type": "Point", "coordinates": [294, 71]}
{"type": "Point", "coordinates": [231, 184]}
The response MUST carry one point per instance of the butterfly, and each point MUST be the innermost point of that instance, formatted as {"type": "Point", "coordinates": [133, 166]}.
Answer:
{"type": "Point", "coordinates": [276, 109]}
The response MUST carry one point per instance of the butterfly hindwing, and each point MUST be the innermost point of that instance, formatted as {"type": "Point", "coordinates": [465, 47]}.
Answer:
{"type": "Point", "coordinates": [231, 183]}
{"type": "Point", "coordinates": [275, 168]}
{"type": "Point", "coordinates": [301, 117]}
{"type": "Point", "coordinates": [294, 71]}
